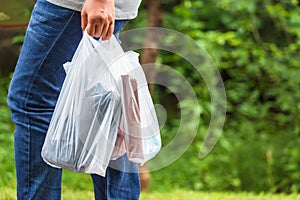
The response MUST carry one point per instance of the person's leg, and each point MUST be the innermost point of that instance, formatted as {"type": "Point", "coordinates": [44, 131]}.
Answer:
{"type": "Point", "coordinates": [121, 181]}
{"type": "Point", "coordinates": [51, 39]}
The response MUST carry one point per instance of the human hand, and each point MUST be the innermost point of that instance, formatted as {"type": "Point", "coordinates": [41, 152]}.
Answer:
{"type": "Point", "coordinates": [97, 17]}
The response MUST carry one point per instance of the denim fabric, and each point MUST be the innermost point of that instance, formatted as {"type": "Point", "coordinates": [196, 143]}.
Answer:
{"type": "Point", "coordinates": [51, 40]}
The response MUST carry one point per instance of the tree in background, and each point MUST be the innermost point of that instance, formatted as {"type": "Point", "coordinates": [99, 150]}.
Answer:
{"type": "Point", "coordinates": [155, 14]}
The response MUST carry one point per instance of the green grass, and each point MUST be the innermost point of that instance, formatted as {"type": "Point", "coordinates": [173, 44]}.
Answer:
{"type": "Point", "coordinates": [68, 193]}
{"type": "Point", "coordinates": [191, 195]}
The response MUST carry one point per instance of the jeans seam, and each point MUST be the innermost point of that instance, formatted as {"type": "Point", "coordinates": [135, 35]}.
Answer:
{"type": "Point", "coordinates": [29, 156]}
{"type": "Point", "coordinates": [28, 170]}
{"type": "Point", "coordinates": [28, 94]}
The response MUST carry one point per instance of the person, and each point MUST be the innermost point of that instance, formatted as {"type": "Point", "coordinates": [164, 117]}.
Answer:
{"type": "Point", "coordinates": [53, 34]}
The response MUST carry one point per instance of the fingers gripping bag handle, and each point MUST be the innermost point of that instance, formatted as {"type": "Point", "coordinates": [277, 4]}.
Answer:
{"type": "Point", "coordinates": [83, 129]}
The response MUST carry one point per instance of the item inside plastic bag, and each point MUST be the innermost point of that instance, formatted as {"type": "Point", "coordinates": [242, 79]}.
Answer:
{"type": "Point", "coordinates": [104, 110]}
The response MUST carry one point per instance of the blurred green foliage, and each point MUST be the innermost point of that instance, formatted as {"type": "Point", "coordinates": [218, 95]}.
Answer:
{"type": "Point", "coordinates": [15, 12]}
{"type": "Point", "coordinates": [256, 46]}
{"type": "Point", "coordinates": [6, 138]}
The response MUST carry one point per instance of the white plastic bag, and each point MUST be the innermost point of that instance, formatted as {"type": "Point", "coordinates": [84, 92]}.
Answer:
{"type": "Point", "coordinates": [84, 132]}
{"type": "Point", "coordinates": [139, 126]}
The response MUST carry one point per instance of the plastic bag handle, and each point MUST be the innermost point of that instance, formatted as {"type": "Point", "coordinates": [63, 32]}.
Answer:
{"type": "Point", "coordinates": [95, 43]}
{"type": "Point", "coordinates": [108, 50]}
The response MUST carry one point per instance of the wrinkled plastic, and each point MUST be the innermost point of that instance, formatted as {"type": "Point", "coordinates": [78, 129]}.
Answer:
{"type": "Point", "coordinates": [103, 111]}
{"type": "Point", "coordinates": [139, 126]}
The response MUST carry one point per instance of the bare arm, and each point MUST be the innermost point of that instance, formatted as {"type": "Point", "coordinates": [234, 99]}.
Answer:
{"type": "Point", "coordinates": [97, 17]}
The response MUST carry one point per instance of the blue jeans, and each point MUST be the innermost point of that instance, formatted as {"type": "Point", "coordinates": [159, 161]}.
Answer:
{"type": "Point", "coordinates": [51, 40]}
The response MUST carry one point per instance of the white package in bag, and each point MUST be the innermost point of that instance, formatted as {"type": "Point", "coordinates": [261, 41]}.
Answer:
{"type": "Point", "coordinates": [85, 129]}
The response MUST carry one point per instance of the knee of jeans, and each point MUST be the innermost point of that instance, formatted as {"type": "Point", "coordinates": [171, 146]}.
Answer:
{"type": "Point", "coordinates": [14, 101]}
